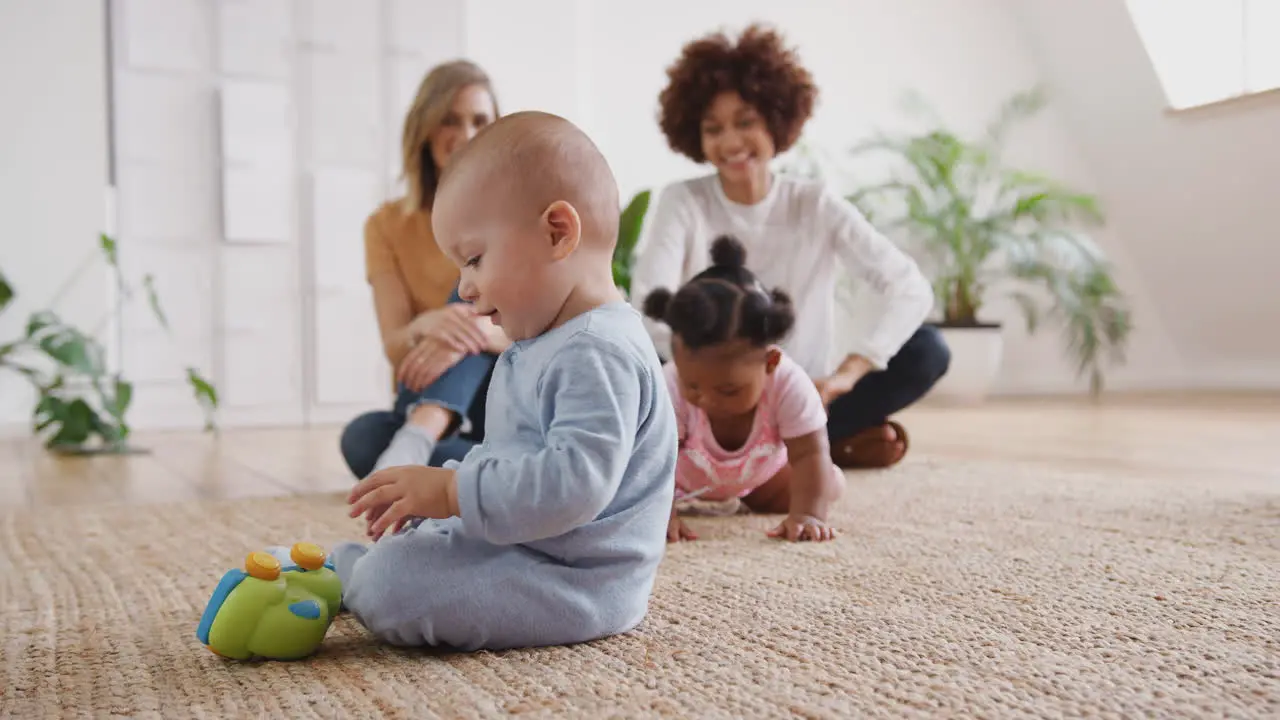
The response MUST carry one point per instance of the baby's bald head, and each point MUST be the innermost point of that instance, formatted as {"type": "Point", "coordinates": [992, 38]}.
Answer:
{"type": "Point", "coordinates": [529, 211]}
{"type": "Point", "coordinates": [524, 162]}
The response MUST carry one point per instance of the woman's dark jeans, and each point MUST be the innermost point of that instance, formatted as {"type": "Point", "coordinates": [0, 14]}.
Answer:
{"type": "Point", "coordinates": [462, 389]}
{"type": "Point", "coordinates": [909, 375]}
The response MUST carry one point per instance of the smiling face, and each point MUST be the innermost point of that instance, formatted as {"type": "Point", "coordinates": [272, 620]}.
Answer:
{"type": "Point", "coordinates": [735, 138]}
{"type": "Point", "coordinates": [529, 211]}
{"type": "Point", "coordinates": [511, 260]}
{"type": "Point", "coordinates": [471, 110]}
{"type": "Point", "coordinates": [500, 262]}
{"type": "Point", "coordinates": [726, 380]}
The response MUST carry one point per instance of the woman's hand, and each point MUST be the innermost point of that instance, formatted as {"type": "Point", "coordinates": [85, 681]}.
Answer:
{"type": "Point", "coordinates": [441, 338]}
{"type": "Point", "coordinates": [843, 379]}
{"type": "Point", "coordinates": [455, 324]}
{"type": "Point", "coordinates": [426, 362]}
{"type": "Point", "coordinates": [833, 386]}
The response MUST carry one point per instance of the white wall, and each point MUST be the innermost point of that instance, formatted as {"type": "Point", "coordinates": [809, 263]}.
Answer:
{"type": "Point", "coordinates": [255, 136]}
{"type": "Point", "coordinates": [1192, 194]}
{"type": "Point", "coordinates": [53, 169]}
{"type": "Point", "coordinates": [538, 54]}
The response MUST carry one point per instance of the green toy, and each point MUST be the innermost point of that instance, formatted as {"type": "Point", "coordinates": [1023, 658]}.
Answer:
{"type": "Point", "coordinates": [273, 612]}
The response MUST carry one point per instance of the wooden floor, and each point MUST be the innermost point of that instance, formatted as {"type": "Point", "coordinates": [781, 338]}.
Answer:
{"type": "Point", "coordinates": [1159, 435]}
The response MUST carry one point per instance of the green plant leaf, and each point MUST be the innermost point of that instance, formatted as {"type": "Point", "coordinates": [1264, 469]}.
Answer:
{"type": "Point", "coordinates": [6, 292]}
{"type": "Point", "coordinates": [205, 390]}
{"type": "Point", "coordinates": [632, 220]}
{"type": "Point", "coordinates": [111, 253]}
{"type": "Point", "coordinates": [111, 432]}
{"type": "Point", "coordinates": [35, 377]}
{"type": "Point", "coordinates": [78, 421]}
{"type": "Point", "coordinates": [108, 245]}
{"type": "Point", "coordinates": [622, 275]}
{"type": "Point", "coordinates": [121, 396]}
{"type": "Point", "coordinates": [1030, 310]}
{"type": "Point", "coordinates": [206, 394]}
{"type": "Point", "coordinates": [1050, 205]}
{"type": "Point", "coordinates": [630, 224]}
{"type": "Point", "coordinates": [49, 409]}
{"type": "Point", "coordinates": [153, 299]}
{"type": "Point", "coordinates": [124, 396]}
{"type": "Point", "coordinates": [74, 350]}
{"type": "Point", "coordinates": [1095, 319]}
{"type": "Point", "coordinates": [8, 349]}
{"type": "Point", "coordinates": [1020, 106]}
{"type": "Point", "coordinates": [41, 320]}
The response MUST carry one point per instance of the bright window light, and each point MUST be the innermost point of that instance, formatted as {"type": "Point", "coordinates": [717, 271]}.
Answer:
{"type": "Point", "coordinates": [1204, 51]}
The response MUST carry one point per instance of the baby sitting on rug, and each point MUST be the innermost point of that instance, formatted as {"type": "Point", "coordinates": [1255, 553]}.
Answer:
{"type": "Point", "coordinates": [551, 531]}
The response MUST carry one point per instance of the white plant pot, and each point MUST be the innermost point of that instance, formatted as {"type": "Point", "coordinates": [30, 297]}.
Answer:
{"type": "Point", "coordinates": [976, 353]}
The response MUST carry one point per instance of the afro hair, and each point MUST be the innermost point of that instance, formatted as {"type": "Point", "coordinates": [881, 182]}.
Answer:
{"type": "Point", "coordinates": [759, 67]}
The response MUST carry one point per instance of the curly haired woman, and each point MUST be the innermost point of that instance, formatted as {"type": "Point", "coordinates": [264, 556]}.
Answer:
{"type": "Point", "coordinates": [736, 105]}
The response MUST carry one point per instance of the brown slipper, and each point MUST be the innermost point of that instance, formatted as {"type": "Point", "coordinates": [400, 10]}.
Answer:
{"type": "Point", "coordinates": [869, 449]}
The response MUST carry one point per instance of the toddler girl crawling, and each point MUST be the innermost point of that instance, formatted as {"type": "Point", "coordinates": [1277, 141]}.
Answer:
{"type": "Point", "coordinates": [752, 424]}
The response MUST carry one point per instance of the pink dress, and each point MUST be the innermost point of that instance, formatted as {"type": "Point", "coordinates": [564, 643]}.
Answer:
{"type": "Point", "coordinates": [789, 407]}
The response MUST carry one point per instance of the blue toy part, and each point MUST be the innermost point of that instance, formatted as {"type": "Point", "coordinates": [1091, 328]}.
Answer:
{"type": "Point", "coordinates": [230, 580]}
{"type": "Point", "coordinates": [306, 609]}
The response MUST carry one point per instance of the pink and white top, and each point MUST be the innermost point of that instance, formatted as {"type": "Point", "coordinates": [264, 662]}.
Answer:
{"type": "Point", "coordinates": [789, 408]}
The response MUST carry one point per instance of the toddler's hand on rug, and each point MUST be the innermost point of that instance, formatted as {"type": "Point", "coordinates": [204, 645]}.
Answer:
{"type": "Point", "coordinates": [803, 527]}
{"type": "Point", "coordinates": [392, 496]}
{"type": "Point", "coordinates": [677, 530]}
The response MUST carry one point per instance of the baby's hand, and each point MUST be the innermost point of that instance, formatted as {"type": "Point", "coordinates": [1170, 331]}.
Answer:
{"type": "Point", "coordinates": [803, 527]}
{"type": "Point", "coordinates": [394, 495]}
{"type": "Point", "coordinates": [373, 515]}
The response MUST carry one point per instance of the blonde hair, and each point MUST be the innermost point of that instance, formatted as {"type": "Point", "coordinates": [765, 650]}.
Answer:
{"type": "Point", "coordinates": [435, 96]}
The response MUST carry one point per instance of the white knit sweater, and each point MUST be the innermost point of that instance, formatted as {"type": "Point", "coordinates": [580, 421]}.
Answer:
{"type": "Point", "coordinates": [793, 239]}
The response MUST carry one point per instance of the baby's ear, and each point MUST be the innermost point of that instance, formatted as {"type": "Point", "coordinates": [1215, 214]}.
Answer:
{"type": "Point", "coordinates": [772, 357]}
{"type": "Point", "coordinates": [563, 227]}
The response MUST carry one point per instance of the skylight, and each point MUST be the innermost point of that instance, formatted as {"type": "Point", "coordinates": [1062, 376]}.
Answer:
{"type": "Point", "coordinates": [1205, 51]}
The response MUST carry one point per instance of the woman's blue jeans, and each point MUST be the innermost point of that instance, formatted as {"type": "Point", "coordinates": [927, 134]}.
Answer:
{"type": "Point", "coordinates": [462, 389]}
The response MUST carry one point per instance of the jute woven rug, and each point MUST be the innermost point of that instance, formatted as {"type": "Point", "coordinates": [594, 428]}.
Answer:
{"type": "Point", "coordinates": [966, 590]}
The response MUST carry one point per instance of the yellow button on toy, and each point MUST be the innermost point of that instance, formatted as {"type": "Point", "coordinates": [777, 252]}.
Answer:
{"type": "Point", "coordinates": [309, 556]}
{"type": "Point", "coordinates": [262, 566]}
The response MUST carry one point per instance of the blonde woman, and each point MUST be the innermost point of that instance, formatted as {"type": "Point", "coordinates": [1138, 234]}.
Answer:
{"type": "Point", "coordinates": [441, 351]}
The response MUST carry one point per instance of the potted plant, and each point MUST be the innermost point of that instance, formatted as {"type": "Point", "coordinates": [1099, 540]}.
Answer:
{"type": "Point", "coordinates": [81, 406]}
{"type": "Point", "coordinates": [981, 227]}
{"type": "Point", "coordinates": [630, 222]}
